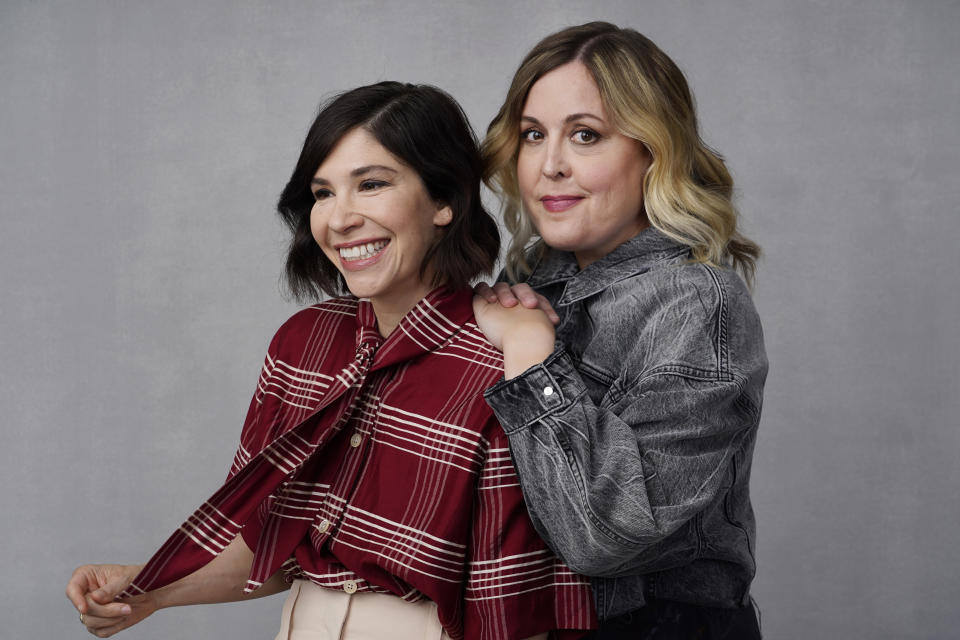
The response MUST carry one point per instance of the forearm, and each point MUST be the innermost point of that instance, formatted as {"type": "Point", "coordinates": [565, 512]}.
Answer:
{"type": "Point", "coordinates": [221, 580]}
{"type": "Point", "coordinates": [608, 488]}
{"type": "Point", "coordinates": [596, 521]}
{"type": "Point", "coordinates": [524, 349]}
{"type": "Point", "coordinates": [525, 336]}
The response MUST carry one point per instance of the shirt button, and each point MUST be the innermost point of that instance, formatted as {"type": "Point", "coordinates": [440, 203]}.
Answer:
{"type": "Point", "coordinates": [350, 586]}
{"type": "Point", "coordinates": [324, 526]}
{"type": "Point", "coordinates": [548, 391]}
{"type": "Point", "coordinates": [355, 440]}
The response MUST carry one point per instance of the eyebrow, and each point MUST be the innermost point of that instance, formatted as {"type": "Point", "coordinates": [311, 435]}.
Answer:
{"type": "Point", "coordinates": [570, 118]}
{"type": "Point", "coordinates": [356, 173]}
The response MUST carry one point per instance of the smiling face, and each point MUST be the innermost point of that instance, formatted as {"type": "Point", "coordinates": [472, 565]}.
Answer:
{"type": "Point", "coordinates": [375, 221]}
{"type": "Point", "coordinates": [580, 179]}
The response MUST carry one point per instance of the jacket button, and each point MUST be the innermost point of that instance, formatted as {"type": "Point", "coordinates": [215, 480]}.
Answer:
{"type": "Point", "coordinates": [355, 440]}
{"type": "Point", "coordinates": [548, 390]}
{"type": "Point", "coordinates": [350, 586]}
{"type": "Point", "coordinates": [324, 526]}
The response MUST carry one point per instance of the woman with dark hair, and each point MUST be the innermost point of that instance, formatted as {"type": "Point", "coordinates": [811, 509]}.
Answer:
{"type": "Point", "coordinates": [370, 473]}
{"type": "Point", "coordinates": [632, 421]}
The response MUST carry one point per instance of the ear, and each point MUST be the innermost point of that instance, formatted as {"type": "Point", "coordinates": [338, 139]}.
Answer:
{"type": "Point", "coordinates": [443, 216]}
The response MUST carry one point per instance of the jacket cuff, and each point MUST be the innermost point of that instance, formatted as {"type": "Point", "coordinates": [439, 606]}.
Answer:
{"type": "Point", "coordinates": [543, 389]}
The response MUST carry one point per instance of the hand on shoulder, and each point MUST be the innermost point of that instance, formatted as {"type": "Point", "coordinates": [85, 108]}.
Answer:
{"type": "Point", "coordinates": [509, 295]}
{"type": "Point", "coordinates": [524, 333]}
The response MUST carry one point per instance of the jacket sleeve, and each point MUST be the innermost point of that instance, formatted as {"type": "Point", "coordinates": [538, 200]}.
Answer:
{"type": "Point", "coordinates": [605, 485]}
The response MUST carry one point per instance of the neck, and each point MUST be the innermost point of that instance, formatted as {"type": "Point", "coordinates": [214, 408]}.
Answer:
{"type": "Point", "coordinates": [390, 309]}
{"type": "Point", "coordinates": [387, 321]}
{"type": "Point", "coordinates": [585, 259]}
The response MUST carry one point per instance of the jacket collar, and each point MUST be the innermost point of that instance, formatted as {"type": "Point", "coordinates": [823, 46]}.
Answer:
{"type": "Point", "coordinates": [638, 254]}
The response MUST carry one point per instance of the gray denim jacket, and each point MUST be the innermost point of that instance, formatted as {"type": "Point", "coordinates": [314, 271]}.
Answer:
{"type": "Point", "coordinates": [633, 440]}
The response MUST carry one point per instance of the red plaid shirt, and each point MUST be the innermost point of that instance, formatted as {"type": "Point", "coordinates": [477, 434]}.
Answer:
{"type": "Point", "coordinates": [375, 464]}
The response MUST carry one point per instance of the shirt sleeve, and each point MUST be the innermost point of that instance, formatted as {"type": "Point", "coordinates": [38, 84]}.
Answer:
{"type": "Point", "coordinates": [516, 587]}
{"type": "Point", "coordinates": [608, 484]}
{"type": "Point", "coordinates": [254, 436]}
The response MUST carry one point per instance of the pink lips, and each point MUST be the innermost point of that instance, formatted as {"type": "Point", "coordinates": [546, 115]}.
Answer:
{"type": "Point", "coordinates": [358, 264]}
{"type": "Point", "coordinates": [560, 203]}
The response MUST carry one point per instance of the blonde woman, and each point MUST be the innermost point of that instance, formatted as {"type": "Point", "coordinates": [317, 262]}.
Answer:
{"type": "Point", "coordinates": [634, 363]}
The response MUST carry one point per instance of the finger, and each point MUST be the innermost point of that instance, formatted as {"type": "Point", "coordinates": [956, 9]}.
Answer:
{"type": "Point", "coordinates": [112, 610]}
{"type": "Point", "coordinates": [106, 632]}
{"type": "Point", "coordinates": [483, 290]}
{"type": "Point", "coordinates": [109, 631]}
{"type": "Point", "coordinates": [547, 308]}
{"type": "Point", "coordinates": [96, 623]}
{"type": "Point", "coordinates": [526, 295]}
{"type": "Point", "coordinates": [113, 587]}
{"type": "Point", "coordinates": [76, 588]}
{"type": "Point", "coordinates": [504, 294]}
{"type": "Point", "coordinates": [81, 583]}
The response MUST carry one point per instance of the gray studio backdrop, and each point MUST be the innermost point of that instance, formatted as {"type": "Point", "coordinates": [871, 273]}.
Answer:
{"type": "Point", "coordinates": [142, 146]}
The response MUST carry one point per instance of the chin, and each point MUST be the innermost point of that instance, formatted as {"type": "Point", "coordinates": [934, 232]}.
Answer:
{"type": "Point", "coordinates": [361, 289]}
{"type": "Point", "coordinates": [563, 241]}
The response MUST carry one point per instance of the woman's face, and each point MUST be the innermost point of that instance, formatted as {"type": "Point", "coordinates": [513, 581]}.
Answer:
{"type": "Point", "coordinates": [581, 180]}
{"type": "Point", "coordinates": [375, 221]}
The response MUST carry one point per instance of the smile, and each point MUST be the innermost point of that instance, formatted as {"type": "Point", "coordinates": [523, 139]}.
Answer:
{"type": "Point", "coordinates": [560, 203]}
{"type": "Point", "coordinates": [362, 251]}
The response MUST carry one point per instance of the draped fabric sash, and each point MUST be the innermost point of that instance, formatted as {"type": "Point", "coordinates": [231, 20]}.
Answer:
{"type": "Point", "coordinates": [217, 522]}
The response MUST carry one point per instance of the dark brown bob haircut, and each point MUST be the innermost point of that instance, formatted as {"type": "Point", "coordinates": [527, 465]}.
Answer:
{"type": "Point", "coordinates": [424, 128]}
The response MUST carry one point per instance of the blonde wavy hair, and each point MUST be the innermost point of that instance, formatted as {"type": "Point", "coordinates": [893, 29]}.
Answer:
{"type": "Point", "coordinates": [687, 189]}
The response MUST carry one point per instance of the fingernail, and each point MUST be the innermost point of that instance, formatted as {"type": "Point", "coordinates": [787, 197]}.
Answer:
{"type": "Point", "coordinates": [125, 609]}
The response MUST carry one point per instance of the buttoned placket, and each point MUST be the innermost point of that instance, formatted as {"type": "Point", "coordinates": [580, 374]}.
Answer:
{"type": "Point", "coordinates": [367, 351]}
{"type": "Point", "coordinates": [327, 518]}
{"type": "Point", "coordinates": [354, 377]}
{"type": "Point", "coordinates": [352, 465]}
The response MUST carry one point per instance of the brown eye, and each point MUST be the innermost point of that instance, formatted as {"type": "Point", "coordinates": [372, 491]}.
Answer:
{"type": "Point", "coordinates": [370, 185]}
{"type": "Point", "coordinates": [531, 135]}
{"type": "Point", "coordinates": [585, 136]}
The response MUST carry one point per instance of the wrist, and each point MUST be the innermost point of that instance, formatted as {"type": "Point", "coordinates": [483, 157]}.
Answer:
{"type": "Point", "coordinates": [163, 598]}
{"type": "Point", "coordinates": [524, 349]}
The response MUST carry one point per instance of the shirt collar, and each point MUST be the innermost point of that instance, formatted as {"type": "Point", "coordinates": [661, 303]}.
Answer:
{"type": "Point", "coordinates": [426, 327]}
{"type": "Point", "coordinates": [638, 254]}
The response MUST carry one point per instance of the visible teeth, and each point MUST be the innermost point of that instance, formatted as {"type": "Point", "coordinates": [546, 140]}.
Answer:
{"type": "Point", "coordinates": [362, 251]}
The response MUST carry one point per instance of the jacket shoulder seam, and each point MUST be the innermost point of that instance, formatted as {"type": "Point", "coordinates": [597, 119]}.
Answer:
{"type": "Point", "coordinates": [721, 345]}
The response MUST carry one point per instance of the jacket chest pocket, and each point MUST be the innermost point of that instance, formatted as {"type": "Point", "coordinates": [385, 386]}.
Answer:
{"type": "Point", "coordinates": [600, 384]}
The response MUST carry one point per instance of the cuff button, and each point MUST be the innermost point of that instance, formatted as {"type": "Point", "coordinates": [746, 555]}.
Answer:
{"type": "Point", "coordinates": [548, 391]}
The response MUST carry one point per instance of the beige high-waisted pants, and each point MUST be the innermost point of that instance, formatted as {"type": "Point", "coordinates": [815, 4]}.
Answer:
{"type": "Point", "coordinates": [315, 613]}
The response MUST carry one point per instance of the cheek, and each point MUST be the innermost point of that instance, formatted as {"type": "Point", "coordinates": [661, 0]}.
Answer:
{"type": "Point", "coordinates": [318, 229]}
{"type": "Point", "coordinates": [316, 225]}
{"type": "Point", "coordinates": [623, 187]}
{"type": "Point", "coordinates": [597, 178]}
{"type": "Point", "coordinates": [527, 173]}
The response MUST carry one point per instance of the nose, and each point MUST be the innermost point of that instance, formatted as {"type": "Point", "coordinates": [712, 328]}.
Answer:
{"type": "Point", "coordinates": [555, 164]}
{"type": "Point", "coordinates": [344, 215]}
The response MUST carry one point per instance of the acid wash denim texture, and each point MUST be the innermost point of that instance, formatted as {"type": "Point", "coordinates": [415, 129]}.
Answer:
{"type": "Point", "coordinates": [633, 441]}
